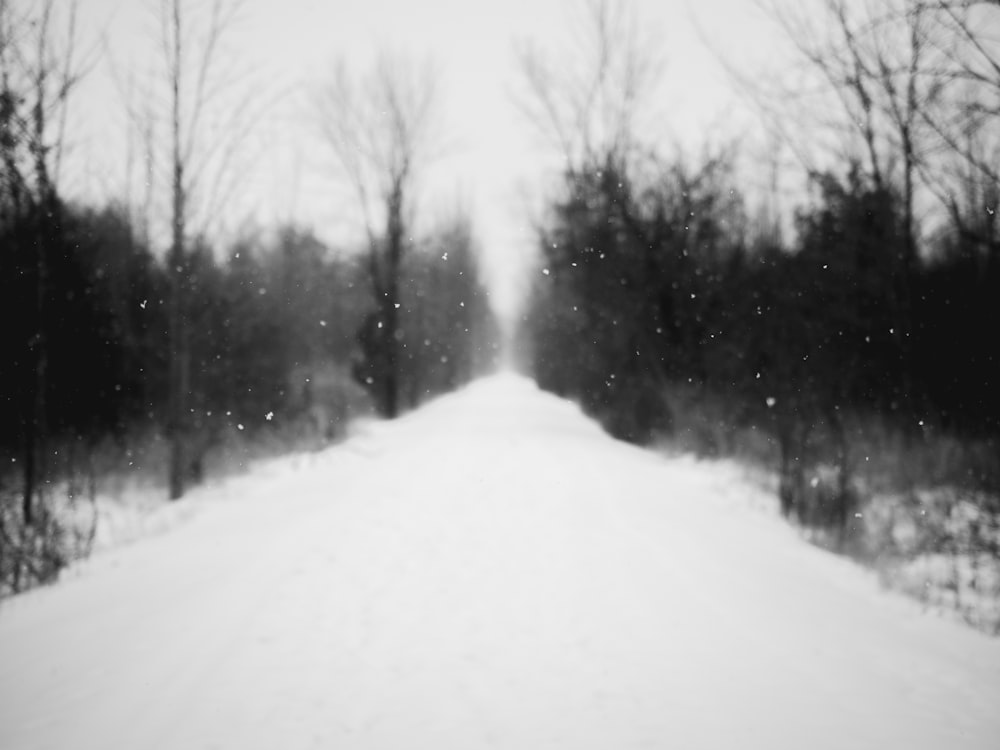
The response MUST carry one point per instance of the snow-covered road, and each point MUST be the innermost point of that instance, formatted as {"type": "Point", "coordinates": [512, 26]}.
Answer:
{"type": "Point", "coordinates": [491, 571]}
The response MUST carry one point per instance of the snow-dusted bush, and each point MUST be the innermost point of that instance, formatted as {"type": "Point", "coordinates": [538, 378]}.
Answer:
{"type": "Point", "coordinates": [61, 532]}
{"type": "Point", "coordinates": [941, 546]}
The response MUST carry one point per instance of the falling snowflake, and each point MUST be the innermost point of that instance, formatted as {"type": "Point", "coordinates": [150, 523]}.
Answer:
{"type": "Point", "coordinates": [770, 401]}
{"type": "Point", "coordinates": [269, 416]}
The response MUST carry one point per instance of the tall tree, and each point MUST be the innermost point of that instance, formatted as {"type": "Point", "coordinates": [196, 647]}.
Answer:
{"type": "Point", "coordinates": [589, 101]}
{"type": "Point", "coordinates": [193, 54]}
{"type": "Point", "coordinates": [380, 127]}
{"type": "Point", "coordinates": [38, 72]}
{"type": "Point", "coordinates": [964, 38]}
{"type": "Point", "coordinates": [885, 89]}
{"type": "Point", "coordinates": [905, 89]}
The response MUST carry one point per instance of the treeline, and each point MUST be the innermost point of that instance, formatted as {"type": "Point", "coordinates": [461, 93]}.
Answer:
{"type": "Point", "coordinates": [278, 334]}
{"type": "Point", "coordinates": [271, 322]}
{"type": "Point", "coordinates": [849, 345]}
{"type": "Point", "coordinates": [136, 341]}
{"type": "Point", "coordinates": [653, 304]}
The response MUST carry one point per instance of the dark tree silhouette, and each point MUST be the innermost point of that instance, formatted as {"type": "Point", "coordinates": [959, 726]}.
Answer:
{"type": "Point", "coordinates": [380, 127]}
{"type": "Point", "coordinates": [38, 72]}
{"type": "Point", "coordinates": [191, 42]}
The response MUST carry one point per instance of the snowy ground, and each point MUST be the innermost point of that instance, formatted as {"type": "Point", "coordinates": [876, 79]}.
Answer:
{"type": "Point", "coordinates": [491, 571]}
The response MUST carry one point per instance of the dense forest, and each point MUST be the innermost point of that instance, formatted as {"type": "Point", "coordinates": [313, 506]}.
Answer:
{"type": "Point", "coordinates": [282, 351]}
{"type": "Point", "coordinates": [842, 339]}
{"type": "Point", "coordinates": [808, 343]}
{"type": "Point", "coordinates": [168, 357]}
{"type": "Point", "coordinates": [848, 346]}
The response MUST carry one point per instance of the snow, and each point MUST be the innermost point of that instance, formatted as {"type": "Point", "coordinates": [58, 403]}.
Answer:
{"type": "Point", "coordinates": [490, 571]}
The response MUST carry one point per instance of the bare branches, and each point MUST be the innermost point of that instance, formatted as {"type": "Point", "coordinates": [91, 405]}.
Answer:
{"type": "Point", "coordinates": [38, 72]}
{"type": "Point", "coordinates": [218, 108]}
{"type": "Point", "coordinates": [68, 79]}
{"type": "Point", "coordinates": [381, 131]}
{"type": "Point", "coordinates": [588, 106]}
{"type": "Point", "coordinates": [969, 72]}
{"type": "Point", "coordinates": [201, 154]}
{"type": "Point", "coordinates": [222, 15]}
{"type": "Point", "coordinates": [910, 89]}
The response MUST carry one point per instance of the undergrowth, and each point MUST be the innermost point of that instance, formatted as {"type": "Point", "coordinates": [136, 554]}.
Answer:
{"type": "Point", "coordinates": [921, 507]}
{"type": "Point", "coordinates": [90, 485]}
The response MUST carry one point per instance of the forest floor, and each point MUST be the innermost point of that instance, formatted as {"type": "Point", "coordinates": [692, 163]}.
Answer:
{"type": "Point", "coordinates": [489, 571]}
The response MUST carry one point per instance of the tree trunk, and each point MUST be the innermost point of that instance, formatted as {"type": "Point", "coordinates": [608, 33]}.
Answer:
{"type": "Point", "coordinates": [29, 473]}
{"type": "Point", "coordinates": [391, 354]}
{"type": "Point", "coordinates": [45, 213]}
{"type": "Point", "coordinates": [178, 324]}
{"type": "Point", "coordinates": [791, 485]}
{"type": "Point", "coordinates": [390, 302]}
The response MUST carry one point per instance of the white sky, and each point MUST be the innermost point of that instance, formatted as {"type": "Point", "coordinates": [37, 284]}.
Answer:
{"type": "Point", "coordinates": [496, 161]}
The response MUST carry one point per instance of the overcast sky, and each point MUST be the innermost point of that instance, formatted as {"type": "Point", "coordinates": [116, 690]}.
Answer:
{"type": "Point", "coordinates": [495, 162]}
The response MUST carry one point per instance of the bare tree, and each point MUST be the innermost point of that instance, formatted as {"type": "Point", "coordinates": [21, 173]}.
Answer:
{"type": "Point", "coordinates": [964, 37]}
{"type": "Point", "coordinates": [889, 87]}
{"type": "Point", "coordinates": [905, 89]}
{"type": "Point", "coordinates": [865, 86]}
{"type": "Point", "coordinates": [199, 88]}
{"type": "Point", "coordinates": [587, 101]}
{"type": "Point", "coordinates": [39, 69]}
{"type": "Point", "coordinates": [381, 129]}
